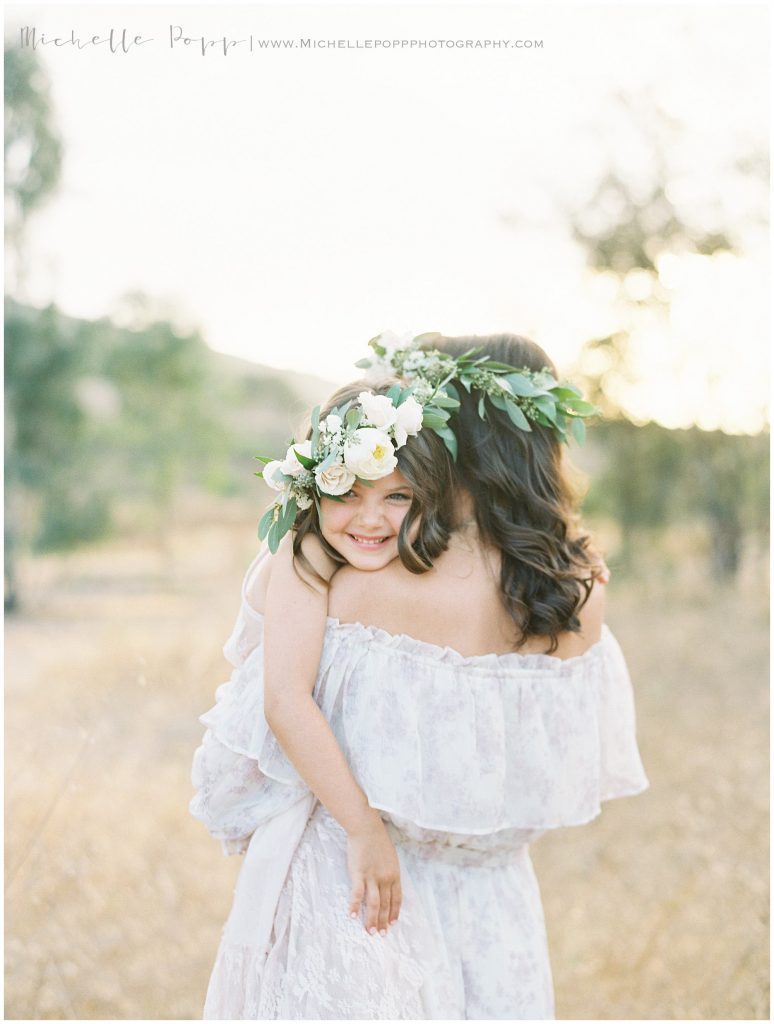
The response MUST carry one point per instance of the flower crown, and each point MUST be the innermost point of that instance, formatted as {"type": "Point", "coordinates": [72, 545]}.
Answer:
{"type": "Point", "coordinates": [359, 440]}
{"type": "Point", "coordinates": [523, 394]}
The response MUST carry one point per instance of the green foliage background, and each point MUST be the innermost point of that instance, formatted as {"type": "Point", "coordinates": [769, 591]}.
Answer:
{"type": "Point", "coordinates": [114, 427]}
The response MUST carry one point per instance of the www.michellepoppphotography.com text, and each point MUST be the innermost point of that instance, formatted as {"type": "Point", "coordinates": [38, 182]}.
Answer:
{"type": "Point", "coordinates": [124, 41]}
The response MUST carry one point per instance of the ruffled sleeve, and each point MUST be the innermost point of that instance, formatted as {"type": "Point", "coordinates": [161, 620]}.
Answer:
{"type": "Point", "coordinates": [486, 744]}
{"type": "Point", "coordinates": [507, 745]}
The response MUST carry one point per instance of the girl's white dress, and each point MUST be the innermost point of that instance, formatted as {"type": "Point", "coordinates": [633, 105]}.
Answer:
{"type": "Point", "coordinates": [468, 760]}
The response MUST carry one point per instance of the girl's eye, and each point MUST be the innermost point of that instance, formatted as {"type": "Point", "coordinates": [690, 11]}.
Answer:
{"type": "Point", "coordinates": [400, 496]}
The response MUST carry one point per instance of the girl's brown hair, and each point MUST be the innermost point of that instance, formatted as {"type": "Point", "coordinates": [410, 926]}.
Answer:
{"type": "Point", "coordinates": [524, 503]}
{"type": "Point", "coordinates": [426, 464]}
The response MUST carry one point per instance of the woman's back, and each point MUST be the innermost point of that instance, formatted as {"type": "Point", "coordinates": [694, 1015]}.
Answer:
{"type": "Point", "coordinates": [456, 604]}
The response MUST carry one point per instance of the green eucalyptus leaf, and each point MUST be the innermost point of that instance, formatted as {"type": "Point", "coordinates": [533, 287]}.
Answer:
{"type": "Point", "coordinates": [482, 408]}
{"type": "Point", "coordinates": [363, 364]}
{"type": "Point", "coordinates": [394, 393]}
{"type": "Point", "coordinates": [445, 401]}
{"type": "Point", "coordinates": [449, 439]}
{"type": "Point", "coordinates": [517, 416]}
{"type": "Point", "coordinates": [565, 391]}
{"type": "Point", "coordinates": [546, 406]}
{"type": "Point", "coordinates": [578, 430]}
{"type": "Point", "coordinates": [500, 367]}
{"type": "Point", "coordinates": [433, 420]}
{"type": "Point", "coordinates": [274, 538]}
{"type": "Point", "coordinates": [263, 459]}
{"type": "Point", "coordinates": [288, 517]}
{"type": "Point", "coordinates": [315, 438]}
{"type": "Point", "coordinates": [520, 385]}
{"type": "Point", "coordinates": [583, 408]}
{"type": "Point", "coordinates": [328, 461]}
{"type": "Point", "coordinates": [466, 355]}
{"type": "Point", "coordinates": [266, 520]}
{"type": "Point", "coordinates": [498, 402]}
{"type": "Point", "coordinates": [305, 461]}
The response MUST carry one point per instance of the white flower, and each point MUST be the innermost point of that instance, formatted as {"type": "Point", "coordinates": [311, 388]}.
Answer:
{"type": "Point", "coordinates": [291, 466]}
{"type": "Point", "coordinates": [268, 474]}
{"type": "Point", "coordinates": [336, 479]}
{"type": "Point", "coordinates": [331, 425]}
{"type": "Point", "coordinates": [370, 454]}
{"type": "Point", "coordinates": [423, 389]}
{"type": "Point", "coordinates": [408, 420]}
{"type": "Point", "coordinates": [303, 501]}
{"type": "Point", "coordinates": [415, 360]}
{"type": "Point", "coordinates": [378, 409]}
{"type": "Point", "coordinates": [391, 341]}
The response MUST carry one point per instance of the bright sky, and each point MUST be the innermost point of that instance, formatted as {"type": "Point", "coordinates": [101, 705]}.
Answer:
{"type": "Point", "coordinates": [295, 202]}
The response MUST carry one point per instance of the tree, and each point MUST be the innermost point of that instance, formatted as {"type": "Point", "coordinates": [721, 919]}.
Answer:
{"type": "Point", "coordinates": [32, 150]}
{"type": "Point", "coordinates": [625, 229]}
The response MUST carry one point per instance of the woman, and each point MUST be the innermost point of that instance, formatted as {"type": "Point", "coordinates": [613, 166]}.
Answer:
{"type": "Point", "coordinates": [476, 704]}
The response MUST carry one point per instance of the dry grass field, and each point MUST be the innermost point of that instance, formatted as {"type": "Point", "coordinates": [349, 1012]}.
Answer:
{"type": "Point", "coordinates": [115, 898]}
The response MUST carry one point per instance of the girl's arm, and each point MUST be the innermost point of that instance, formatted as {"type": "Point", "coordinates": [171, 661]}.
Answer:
{"type": "Point", "coordinates": [295, 619]}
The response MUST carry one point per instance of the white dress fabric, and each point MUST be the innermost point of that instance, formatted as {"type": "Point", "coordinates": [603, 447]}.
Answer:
{"type": "Point", "coordinates": [468, 759]}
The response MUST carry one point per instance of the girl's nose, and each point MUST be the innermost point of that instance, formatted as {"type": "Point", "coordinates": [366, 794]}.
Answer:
{"type": "Point", "coordinates": [369, 514]}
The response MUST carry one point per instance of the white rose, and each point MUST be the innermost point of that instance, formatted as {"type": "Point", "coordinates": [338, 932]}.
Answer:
{"type": "Point", "coordinates": [378, 409]}
{"type": "Point", "coordinates": [291, 466]}
{"type": "Point", "coordinates": [370, 454]}
{"type": "Point", "coordinates": [268, 473]}
{"type": "Point", "coordinates": [391, 341]}
{"type": "Point", "coordinates": [336, 479]}
{"type": "Point", "coordinates": [408, 420]}
{"type": "Point", "coordinates": [332, 424]}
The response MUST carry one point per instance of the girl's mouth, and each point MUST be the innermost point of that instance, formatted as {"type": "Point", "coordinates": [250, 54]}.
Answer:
{"type": "Point", "coordinates": [368, 542]}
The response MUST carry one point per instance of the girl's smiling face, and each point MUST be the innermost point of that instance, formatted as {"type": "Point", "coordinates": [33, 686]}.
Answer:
{"type": "Point", "coordinates": [363, 527]}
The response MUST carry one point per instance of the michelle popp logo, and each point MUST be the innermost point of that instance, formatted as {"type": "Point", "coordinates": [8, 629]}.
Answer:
{"type": "Point", "coordinates": [175, 37]}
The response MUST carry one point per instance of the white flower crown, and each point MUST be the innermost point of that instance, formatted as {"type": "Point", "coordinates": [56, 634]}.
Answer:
{"type": "Point", "coordinates": [359, 440]}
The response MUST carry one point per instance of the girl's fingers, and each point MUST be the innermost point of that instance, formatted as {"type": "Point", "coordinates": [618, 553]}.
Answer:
{"type": "Point", "coordinates": [356, 898]}
{"type": "Point", "coordinates": [395, 902]}
{"type": "Point", "coordinates": [385, 891]}
{"type": "Point", "coordinates": [372, 906]}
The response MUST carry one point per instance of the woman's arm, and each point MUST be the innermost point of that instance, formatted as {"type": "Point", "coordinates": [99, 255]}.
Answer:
{"type": "Point", "coordinates": [295, 619]}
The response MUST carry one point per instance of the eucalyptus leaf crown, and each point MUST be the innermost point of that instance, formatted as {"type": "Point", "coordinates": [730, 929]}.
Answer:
{"type": "Point", "coordinates": [359, 440]}
{"type": "Point", "coordinates": [523, 394]}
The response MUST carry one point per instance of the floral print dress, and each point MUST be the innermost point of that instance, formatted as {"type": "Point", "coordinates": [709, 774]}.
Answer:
{"type": "Point", "coordinates": [468, 760]}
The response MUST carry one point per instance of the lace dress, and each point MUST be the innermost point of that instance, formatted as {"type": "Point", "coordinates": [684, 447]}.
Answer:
{"type": "Point", "coordinates": [468, 759]}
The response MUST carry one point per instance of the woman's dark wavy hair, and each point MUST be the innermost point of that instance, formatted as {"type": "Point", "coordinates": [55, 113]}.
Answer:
{"type": "Point", "coordinates": [426, 465]}
{"type": "Point", "coordinates": [524, 503]}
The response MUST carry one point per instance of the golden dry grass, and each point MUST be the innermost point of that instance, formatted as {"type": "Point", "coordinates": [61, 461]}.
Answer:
{"type": "Point", "coordinates": [115, 897]}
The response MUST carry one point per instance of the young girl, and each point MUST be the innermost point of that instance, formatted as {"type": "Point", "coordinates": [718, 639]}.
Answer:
{"type": "Point", "coordinates": [436, 749]}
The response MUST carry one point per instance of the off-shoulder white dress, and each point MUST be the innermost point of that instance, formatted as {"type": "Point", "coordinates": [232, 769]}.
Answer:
{"type": "Point", "coordinates": [468, 759]}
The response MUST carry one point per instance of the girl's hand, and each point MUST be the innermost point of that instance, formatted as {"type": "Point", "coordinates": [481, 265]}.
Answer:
{"type": "Point", "coordinates": [374, 870]}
